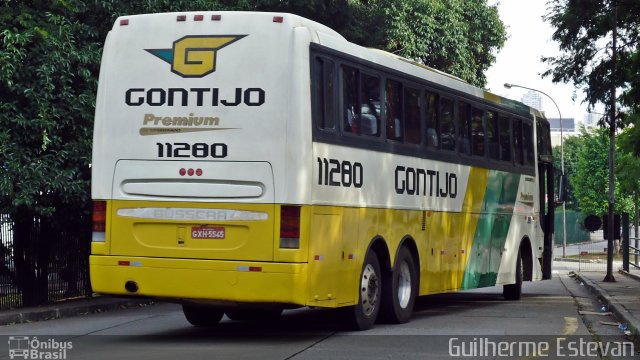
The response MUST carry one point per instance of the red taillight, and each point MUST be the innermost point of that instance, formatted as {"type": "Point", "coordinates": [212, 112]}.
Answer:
{"type": "Point", "coordinates": [290, 222]}
{"type": "Point", "coordinates": [99, 218]}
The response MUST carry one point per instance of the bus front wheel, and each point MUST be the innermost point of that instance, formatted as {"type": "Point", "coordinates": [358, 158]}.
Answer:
{"type": "Point", "coordinates": [400, 289]}
{"type": "Point", "coordinates": [514, 291]}
{"type": "Point", "coordinates": [363, 315]}
{"type": "Point", "coordinates": [201, 315]}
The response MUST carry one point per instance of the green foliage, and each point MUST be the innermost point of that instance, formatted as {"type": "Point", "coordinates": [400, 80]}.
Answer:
{"type": "Point", "coordinates": [571, 147]}
{"type": "Point", "coordinates": [455, 36]}
{"type": "Point", "coordinates": [589, 182]}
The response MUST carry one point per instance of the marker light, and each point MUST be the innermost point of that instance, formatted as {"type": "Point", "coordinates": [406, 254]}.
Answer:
{"type": "Point", "coordinates": [182, 18]}
{"type": "Point", "coordinates": [124, 22]}
{"type": "Point", "coordinates": [198, 17]}
{"type": "Point", "coordinates": [216, 17]}
{"type": "Point", "coordinates": [289, 227]}
{"type": "Point", "coordinates": [278, 19]}
{"type": "Point", "coordinates": [99, 218]}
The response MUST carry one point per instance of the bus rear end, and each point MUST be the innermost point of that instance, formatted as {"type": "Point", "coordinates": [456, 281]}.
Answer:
{"type": "Point", "coordinates": [190, 140]}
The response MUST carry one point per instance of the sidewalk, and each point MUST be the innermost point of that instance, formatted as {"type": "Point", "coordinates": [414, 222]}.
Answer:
{"type": "Point", "coordinates": [622, 297]}
{"type": "Point", "coordinates": [73, 307]}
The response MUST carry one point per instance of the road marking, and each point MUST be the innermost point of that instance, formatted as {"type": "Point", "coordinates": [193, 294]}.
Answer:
{"type": "Point", "coordinates": [570, 325]}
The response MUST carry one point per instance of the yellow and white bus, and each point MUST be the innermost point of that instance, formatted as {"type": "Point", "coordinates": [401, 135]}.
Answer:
{"type": "Point", "coordinates": [244, 163]}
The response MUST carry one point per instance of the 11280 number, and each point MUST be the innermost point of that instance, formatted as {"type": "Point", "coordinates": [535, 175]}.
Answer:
{"type": "Point", "coordinates": [197, 150]}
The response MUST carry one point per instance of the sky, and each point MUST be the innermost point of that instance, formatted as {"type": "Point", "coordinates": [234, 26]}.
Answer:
{"type": "Point", "coordinates": [529, 38]}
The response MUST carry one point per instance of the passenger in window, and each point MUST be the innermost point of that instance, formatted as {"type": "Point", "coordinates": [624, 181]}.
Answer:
{"type": "Point", "coordinates": [368, 121]}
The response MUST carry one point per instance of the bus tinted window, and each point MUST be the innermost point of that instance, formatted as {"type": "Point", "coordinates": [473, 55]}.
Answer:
{"type": "Point", "coordinates": [492, 134]}
{"type": "Point", "coordinates": [394, 110]}
{"type": "Point", "coordinates": [527, 137]}
{"type": "Point", "coordinates": [412, 115]}
{"type": "Point", "coordinates": [477, 132]}
{"type": "Point", "coordinates": [504, 127]}
{"type": "Point", "coordinates": [447, 125]}
{"type": "Point", "coordinates": [361, 102]}
{"type": "Point", "coordinates": [351, 123]}
{"type": "Point", "coordinates": [370, 110]}
{"type": "Point", "coordinates": [517, 141]}
{"type": "Point", "coordinates": [543, 137]}
{"type": "Point", "coordinates": [464, 126]}
{"type": "Point", "coordinates": [324, 98]}
{"type": "Point", "coordinates": [431, 113]}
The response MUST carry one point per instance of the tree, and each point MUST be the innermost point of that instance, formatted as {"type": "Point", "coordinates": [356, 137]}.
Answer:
{"type": "Point", "coordinates": [584, 33]}
{"type": "Point", "coordinates": [589, 181]}
{"type": "Point", "coordinates": [459, 37]}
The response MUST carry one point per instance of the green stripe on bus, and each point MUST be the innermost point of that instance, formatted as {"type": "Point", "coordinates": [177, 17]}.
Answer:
{"type": "Point", "coordinates": [491, 232]}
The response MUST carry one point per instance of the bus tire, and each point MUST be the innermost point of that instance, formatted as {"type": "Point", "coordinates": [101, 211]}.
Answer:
{"type": "Point", "coordinates": [363, 315]}
{"type": "Point", "coordinates": [261, 315]}
{"type": "Point", "coordinates": [400, 289]}
{"type": "Point", "coordinates": [513, 292]}
{"type": "Point", "coordinates": [202, 315]}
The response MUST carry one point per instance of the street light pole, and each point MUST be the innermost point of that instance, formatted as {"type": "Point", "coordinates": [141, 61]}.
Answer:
{"type": "Point", "coordinates": [564, 208]}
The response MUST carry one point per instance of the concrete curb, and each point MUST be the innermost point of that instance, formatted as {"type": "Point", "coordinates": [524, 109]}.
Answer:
{"type": "Point", "coordinates": [614, 306]}
{"type": "Point", "coordinates": [631, 275]}
{"type": "Point", "coordinates": [69, 308]}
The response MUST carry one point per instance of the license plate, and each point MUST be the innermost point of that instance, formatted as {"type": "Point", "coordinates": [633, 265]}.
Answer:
{"type": "Point", "coordinates": [202, 232]}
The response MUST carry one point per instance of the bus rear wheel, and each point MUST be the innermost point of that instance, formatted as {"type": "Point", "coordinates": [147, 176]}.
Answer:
{"type": "Point", "coordinates": [400, 289]}
{"type": "Point", "coordinates": [513, 292]}
{"type": "Point", "coordinates": [202, 315]}
{"type": "Point", "coordinates": [363, 315]}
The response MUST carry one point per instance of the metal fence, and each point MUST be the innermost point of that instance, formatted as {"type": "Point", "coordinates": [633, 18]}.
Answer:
{"type": "Point", "coordinates": [64, 274]}
{"type": "Point", "coordinates": [589, 249]}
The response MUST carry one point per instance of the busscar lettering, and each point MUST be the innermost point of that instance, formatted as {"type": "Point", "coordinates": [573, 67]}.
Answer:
{"type": "Point", "coordinates": [425, 182]}
{"type": "Point", "coordinates": [194, 97]}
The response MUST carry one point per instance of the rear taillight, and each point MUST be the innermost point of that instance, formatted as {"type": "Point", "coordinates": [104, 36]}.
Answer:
{"type": "Point", "coordinates": [99, 221]}
{"type": "Point", "coordinates": [289, 227]}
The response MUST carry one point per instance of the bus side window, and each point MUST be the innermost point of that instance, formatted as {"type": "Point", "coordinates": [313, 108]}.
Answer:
{"type": "Point", "coordinates": [477, 132]}
{"type": "Point", "coordinates": [412, 115]}
{"type": "Point", "coordinates": [517, 141]}
{"type": "Point", "coordinates": [464, 124]}
{"type": "Point", "coordinates": [447, 125]}
{"type": "Point", "coordinates": [504, 126]}
{"type": "Point", "coordinates": [527, 135]}
{"type": "Point", "coordinates": [431, 112]}
{"type": "Point", "coordinates": [394, 110]}
{"type": "Point", "coordinates": [492, 134]}
{"type": "Point", "coordinates": [370, 108]}
{"type": "Point", "coordinates": [324, 93]}
{"type": "Point", "coordinates": [351, 107]}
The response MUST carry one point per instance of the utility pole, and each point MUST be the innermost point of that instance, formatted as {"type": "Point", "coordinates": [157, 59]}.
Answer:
{"type": "Point", "coordinates": [612, 147]}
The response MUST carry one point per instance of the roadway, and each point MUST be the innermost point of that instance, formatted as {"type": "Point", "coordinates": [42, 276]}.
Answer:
{"type": "Point", "coordinates": [548, 309]}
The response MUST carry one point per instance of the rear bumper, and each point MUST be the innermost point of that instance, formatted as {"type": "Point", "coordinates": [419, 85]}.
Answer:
{"type": "Point", "coordinates": [200, 280]}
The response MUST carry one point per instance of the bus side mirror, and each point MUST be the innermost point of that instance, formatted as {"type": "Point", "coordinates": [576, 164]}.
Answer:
{"type": "Point", "coordinates": [562, 189]}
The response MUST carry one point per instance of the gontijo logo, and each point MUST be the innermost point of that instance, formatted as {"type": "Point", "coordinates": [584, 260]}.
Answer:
{"type": "Point", "coordinates": [195, 55]}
